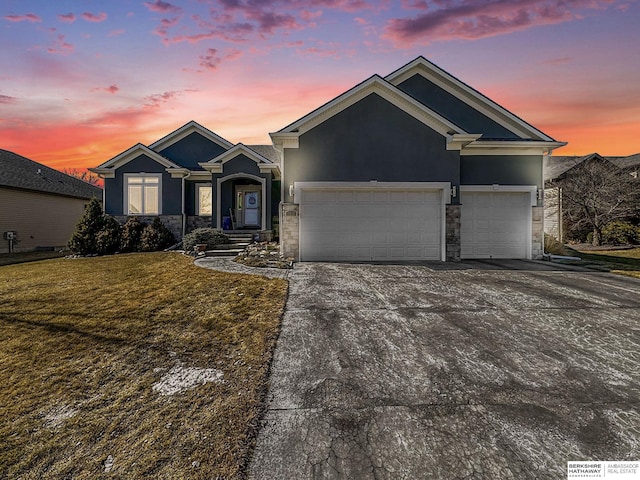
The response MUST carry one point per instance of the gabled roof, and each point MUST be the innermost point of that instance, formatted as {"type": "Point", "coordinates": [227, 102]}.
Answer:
{"type": "Point", "coordinates": [374, 84]}
{"type": "Point", "coordinates": [186, 130]}
{"type": "Point", "coordinates": [556, 166]}
{"type": "Point", "coordinates": [20, 172]}
{"type": "Point", "coordinates": [108, 168]}
{"type": "Point", "coordinates": [264, 164]}
{"type": "Point", "coordinates": [267, 151]}
{"type": "Point", "coordinates": [467, 94]}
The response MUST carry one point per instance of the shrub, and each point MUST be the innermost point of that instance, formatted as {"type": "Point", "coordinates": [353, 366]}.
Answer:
{"type": "Point", "coordinates": [553, 246]}
{"type": "Point", "coordinates": [620, 233]}
{"type": "Point", "coordinates": [83, 240]}
{"type": "Point", "coordinates": [131, 235]}
{"type": "Point", "coordinates": [156, 236]}
{"type": "Point", "coordinates": [108, 238]}
{"type": "Point", "coordinates": [207, 235]}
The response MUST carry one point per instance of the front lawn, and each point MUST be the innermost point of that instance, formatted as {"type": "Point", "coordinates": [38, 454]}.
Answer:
{"type": "Point", "coordinates": [135, 366]}
{"type": "Point", "coordinates": [624, 262]}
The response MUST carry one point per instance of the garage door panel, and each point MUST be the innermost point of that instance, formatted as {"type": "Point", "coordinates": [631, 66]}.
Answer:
{"type": "Point", "coordinates": [495, 224]}
{"type": "Point", "coordinates": [372, 224]}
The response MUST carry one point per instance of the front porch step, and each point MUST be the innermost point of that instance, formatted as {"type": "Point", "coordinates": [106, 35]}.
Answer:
{"type": "Point", "coordinates": [228, 246]}
{"type": "Point", "coordinates": [230, 252]}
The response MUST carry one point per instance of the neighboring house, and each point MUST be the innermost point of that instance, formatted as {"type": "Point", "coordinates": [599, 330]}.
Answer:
{"type": "Point", "coordinates": [40, 204]}
{"type": "Point", "coordinates": [559, 168]}
{"type": "Point", "coordinates": [413, 166]}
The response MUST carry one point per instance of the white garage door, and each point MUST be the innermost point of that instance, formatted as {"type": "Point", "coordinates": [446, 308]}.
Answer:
{"type": "Point", "coordinates": [370, 224]}
{"type": "Point", "coordinates": [495, 224]}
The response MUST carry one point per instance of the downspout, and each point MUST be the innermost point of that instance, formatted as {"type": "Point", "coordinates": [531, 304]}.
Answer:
{"type": "Point", "coordinates": [184, 204]}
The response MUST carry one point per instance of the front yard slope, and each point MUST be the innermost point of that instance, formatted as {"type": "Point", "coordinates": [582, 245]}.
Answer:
{"type": "Point", "coordinates": [132, 366]}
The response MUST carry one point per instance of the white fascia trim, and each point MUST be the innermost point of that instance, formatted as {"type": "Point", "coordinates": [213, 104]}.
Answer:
{"type": "Point", "coordinates": [220, 181]}
{"type": "Point", "coordinates": [373, 185]}
{"type": "Point", "coordinates": [103, 172]}
{"type": "Point", "coordinates": [264, 164]}
{"type": "Point", "coordinates": [389, 92]}
{"type": "Point", "coordinates": [510, 148]}
{"type": "Point", "coordinates": [467, 94]}
{"type": "Point", "coordinates": [188, 129]}
{"type": "Point", "coordinates": [531, 189]}
{"type": "Point", "coordinates": [133, 153]}
{"type": "Point", "coordinates": [191, 174]}
{"type": "Point", "coordinates": [282, 140]}
{"type": "Point", "coordinates": [458, 141]}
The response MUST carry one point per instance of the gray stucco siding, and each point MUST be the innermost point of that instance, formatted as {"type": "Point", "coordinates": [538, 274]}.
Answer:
{"type": "Point", "coordinates": [191, 150]}
{"type": "Point", "coordinates": [453, 109]}
{"type": "Point", "coordinates": [371, 140]}
{"type": "Point", "coordinates": [171, 187]}
{"type": "Point", "coordinates": [501, 169]}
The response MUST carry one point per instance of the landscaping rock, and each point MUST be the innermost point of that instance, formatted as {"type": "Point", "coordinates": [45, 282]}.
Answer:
{"type": "Point", "coordinates": [264, 255]}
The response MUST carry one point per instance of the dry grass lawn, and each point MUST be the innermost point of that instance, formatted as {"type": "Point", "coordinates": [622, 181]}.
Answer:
{"type": "Point", "coordinates": [623, 262]}
{"type": "Point", "coordinates": [132, 366]}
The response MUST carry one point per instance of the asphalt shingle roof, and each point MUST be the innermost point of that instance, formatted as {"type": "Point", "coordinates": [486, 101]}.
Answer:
{"type": "Point", "coordinates": [267, 151]}
{"type": "Point", "coordinates": [17, 171]}
{"type": "Point", "coordinates": [555, 166]}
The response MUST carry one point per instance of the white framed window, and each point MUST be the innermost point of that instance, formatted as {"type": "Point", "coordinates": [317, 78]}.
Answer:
{"type": "Point", "coordinates": [204, 199]}
{"type": "Point", "coordinates": [143, 193]}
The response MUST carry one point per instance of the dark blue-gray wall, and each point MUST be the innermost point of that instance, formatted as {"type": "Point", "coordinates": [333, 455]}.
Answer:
{"type": "Point", "coordinates": [501, 169]}
{"type": "Point", "coordinates": [453, 109]}
{"type": "Point", "coordinates": [171, 187]}
{"type": "Point", "coordinates": [371, 140]}
{"type": "Point", "coordinates": [192, 150]}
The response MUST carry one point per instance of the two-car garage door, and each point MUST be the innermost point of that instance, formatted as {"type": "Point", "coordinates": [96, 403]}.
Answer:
{"type": "Point", "coordinates": [370, 224]}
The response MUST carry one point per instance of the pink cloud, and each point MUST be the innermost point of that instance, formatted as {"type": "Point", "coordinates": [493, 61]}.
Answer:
{"type": "Point", "coordinates": [162, 7]}
{"type": "Point", "coordinates": [485, 18]}
{"type": "Point", "coordinates": [112, 89]}
{"type": "Point", "coordinates": [116, 33]}
{"type": "Point", "coordinates": [91, 17]}
{"type": "Point", "coordinates": [60, 46]}
{"type": "Point", "coordinates": [418, 4]}
{"type": "Point", "coordinates": [29, 17]}
{"type": "Point", "coordinates": [67, 18]}
{"type": "Point", "coordinates": [6, 99]}
{"type": "Point", "coordinates": [210, 60]}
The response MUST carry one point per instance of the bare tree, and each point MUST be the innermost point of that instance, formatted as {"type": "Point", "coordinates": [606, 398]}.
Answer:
{"type": "Point", "coordinates": [84, 175]}
{"type": "Point", "coordinates": [595, 193]}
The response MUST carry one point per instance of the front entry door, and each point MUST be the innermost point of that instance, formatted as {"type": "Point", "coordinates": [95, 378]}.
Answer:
{"type": "Point", "coordinates": [248, 210]}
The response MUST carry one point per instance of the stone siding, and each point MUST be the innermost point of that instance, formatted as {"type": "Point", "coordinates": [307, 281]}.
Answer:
{"type": "Point", "coordinates": [203, 221]}
{"type": "Point", "coordinates": [290, 230]}
{"type": "Point", "coordinates": [452, 233]}
{"type": "Point", "coordinates": [537, 233]}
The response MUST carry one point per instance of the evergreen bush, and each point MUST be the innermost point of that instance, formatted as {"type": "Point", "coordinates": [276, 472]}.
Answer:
{"type": "Point", "coordinates": [620, 233]}
{"type": "Point", "coordinates": [83, 240]}
{"type": "Point", "coordinates": [131, 235]}
{"type": "Point", "coordinates": [108, 238]}
{"type": "Point", "coordinates": [156, 236]}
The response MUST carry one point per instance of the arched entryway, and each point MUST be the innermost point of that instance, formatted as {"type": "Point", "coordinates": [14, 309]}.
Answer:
{"type": "Point", "coordinates": [242, 198]}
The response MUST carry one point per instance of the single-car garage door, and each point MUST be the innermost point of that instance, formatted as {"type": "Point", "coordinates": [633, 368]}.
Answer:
{"type": "Point", "coordinates": [340, 224]}
{"type": "Point", "coordinates": [495, 224]}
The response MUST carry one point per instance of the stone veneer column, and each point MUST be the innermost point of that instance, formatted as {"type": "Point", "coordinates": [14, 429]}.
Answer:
{"type": "Point", "coordinates": [452, 233]}
{"type": "Point", "coordinates": [290, 230]}
{"type": "Point", "coordinates": [537, 233]}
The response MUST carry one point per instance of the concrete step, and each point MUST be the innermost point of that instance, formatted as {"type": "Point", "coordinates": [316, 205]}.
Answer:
{"type": "Point", "coordinates": [228, 246]}
{"type": "Point", "coordinates": [223, 253]}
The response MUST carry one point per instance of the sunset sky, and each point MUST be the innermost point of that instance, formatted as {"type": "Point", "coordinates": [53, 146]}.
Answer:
{"type": "Point", "coordinates": [81, 81]}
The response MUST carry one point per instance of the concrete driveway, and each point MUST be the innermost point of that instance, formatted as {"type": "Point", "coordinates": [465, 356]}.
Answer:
{"type": "Point", "coordinates": [479, 370]}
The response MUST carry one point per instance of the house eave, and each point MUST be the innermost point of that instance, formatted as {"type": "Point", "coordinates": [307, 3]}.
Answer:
{"type": "Point", "coordinates": [510, 148]}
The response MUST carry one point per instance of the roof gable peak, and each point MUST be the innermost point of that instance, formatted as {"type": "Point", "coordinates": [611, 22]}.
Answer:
{"type": "Point", "coordinates": [472, 97]}
{"type": "Point", "coordinates": [186, 130]}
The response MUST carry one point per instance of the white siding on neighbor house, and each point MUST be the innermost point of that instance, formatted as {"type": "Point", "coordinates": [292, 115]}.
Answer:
{"type": "Point", "coordinates": [495, 224]}
{"type": "Point", "coordinates": [552, 213]}
{"type": "Point", "coordinates": [40, 220]}
{"type": "Point", "coordinates": [370, 224]}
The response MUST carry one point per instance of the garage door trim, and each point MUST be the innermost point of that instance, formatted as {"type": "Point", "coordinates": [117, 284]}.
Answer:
{"type": "Point", "coordinates": [533, 201]}
{"type": "Point", "coordinates": [443, 187]}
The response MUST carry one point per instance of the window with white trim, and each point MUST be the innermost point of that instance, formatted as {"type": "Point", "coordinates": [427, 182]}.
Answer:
{"type": "Point", "coordinates": [204, 194]}
{"type": "Point", "coordinates": [142, 194]}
